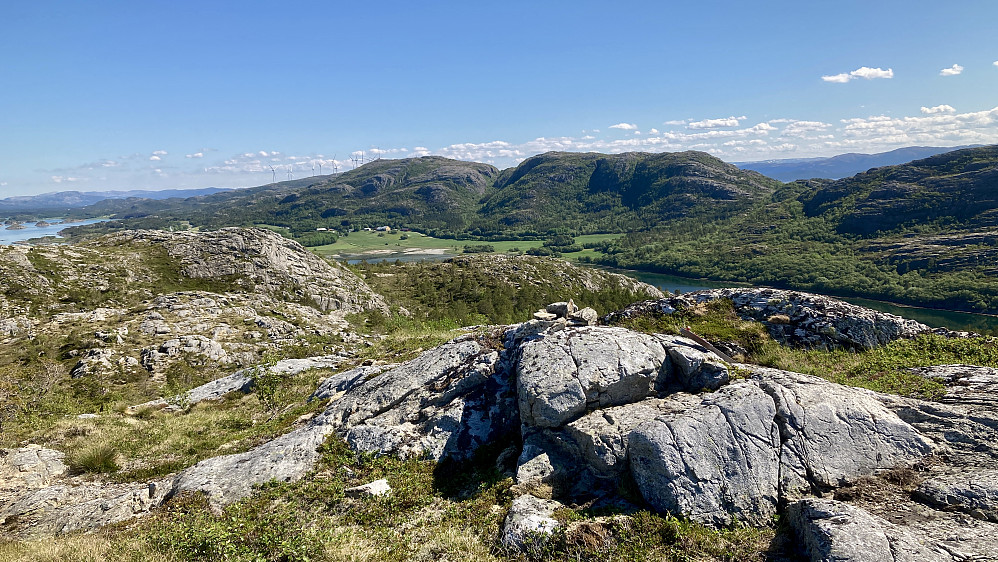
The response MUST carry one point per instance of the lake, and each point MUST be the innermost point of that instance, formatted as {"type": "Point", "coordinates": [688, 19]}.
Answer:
{"type": "Point", "coordinates": [980, 323]}
{"type": "Point", "coordinates": [8, 237]}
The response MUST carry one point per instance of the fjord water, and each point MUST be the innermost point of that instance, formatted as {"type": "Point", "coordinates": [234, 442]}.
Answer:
{"type": "Point", "coordinates": [8, 237]}
{"type": "Point", "coordinates": [980, 323]}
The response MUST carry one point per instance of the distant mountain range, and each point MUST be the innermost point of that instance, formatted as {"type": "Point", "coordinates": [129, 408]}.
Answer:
{"type": "Point", "coordinates": [75, 199]}
{"type": "Point", "coordinates": [841, 166]}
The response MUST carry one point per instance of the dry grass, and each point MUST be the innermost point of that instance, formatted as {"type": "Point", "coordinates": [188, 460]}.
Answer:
{"type": "Point", "coordinates": [99, 547]}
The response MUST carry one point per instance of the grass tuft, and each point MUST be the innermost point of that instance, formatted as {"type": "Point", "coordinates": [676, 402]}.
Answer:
{"type": "Point", "coordinates": [96, 458]}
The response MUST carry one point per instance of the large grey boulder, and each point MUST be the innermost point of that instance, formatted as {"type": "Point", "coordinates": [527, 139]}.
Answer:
{"type": "Point", "coordinates": [562, 375]}
{"type": "Point", "coordinates": [755, 442]}
{"type": "Point", "coordinates": [714, 463]}
{"type": "Point", "coordinates": [833, 531]}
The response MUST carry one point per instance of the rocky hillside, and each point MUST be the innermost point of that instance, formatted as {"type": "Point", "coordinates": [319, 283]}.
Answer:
{"type": "Point", "coordinates": [126, 315]}
{"type": "Point", "coordinates": [948, 192]}
{"type": "Point", "coordinates": [604, 418]}
{"type": "Point", "coordinates": [617, 192]}
{"type": "Point", "coordinates": [424, 193]}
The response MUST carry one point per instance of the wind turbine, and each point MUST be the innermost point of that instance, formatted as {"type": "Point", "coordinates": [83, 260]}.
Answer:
{"type": "Point", "coordinates": [274, 172]}
{"type": "Point", "coordinates": [291, 173]}
{"type": "Point", "coordinates": [313, 169]}
{"type": "Point", "coordinates": [320, 168]}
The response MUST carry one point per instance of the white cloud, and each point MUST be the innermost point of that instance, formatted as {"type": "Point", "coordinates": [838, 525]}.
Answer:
{"type": "Point", "coordinates": [624, 126]}
{"type": "Point", "coordinates": [951, 71]}
{"type": "Point", "coordinates": [861, 72]}
{"type": "Point", "coordinates": [653, 131]}
{"type": "Point", "coordinates": [196, 155]}
{"type": "Point", "coordinates": [155, 158]}
{"type": "Point", "coordinates": [995, 63]}
{"type": "Point", "coordinates": [3, 183]}
{"type": "Point", "coordinates": [839, 78]}
{"type": "Point", "coordinates": [871, 73]}
{"type": "Point", "coordinates": [938, 109]}
{"type": "Point", "coordinates": [675, 122]}
{"type": "Point", "coordinates": [160, 152]}
{"type": "Point", "coordinates": [715, 123]}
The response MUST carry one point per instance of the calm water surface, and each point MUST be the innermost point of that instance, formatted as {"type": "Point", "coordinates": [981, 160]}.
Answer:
{"type": "Point", "coordinates": [8, 237]}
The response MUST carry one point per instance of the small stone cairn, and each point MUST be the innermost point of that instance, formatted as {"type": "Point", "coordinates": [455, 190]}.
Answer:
{"type": "Point", "coordinates": [567, 313]}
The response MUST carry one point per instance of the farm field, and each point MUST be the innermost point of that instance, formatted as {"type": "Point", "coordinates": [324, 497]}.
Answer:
{"type": "Point", "coordinates": [414, 245]}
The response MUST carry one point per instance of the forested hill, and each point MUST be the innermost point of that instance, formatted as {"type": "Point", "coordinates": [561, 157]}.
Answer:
{"type": "Point", "coordinates": [955, 191]}
{"type": "Point", "coordinates": [426, 193]}
{"type": "Point", "coordinates": [922, 233]}
{"type": "Point", "coordinates": [591, 192]}
{"type": "Point", "coordinates": [553, 192]}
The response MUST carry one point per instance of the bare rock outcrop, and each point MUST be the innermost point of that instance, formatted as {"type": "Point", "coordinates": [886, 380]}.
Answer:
{"type": "Point", "coordinates": [796, 318]}
{"type": "Point", "coordinates": [262, 261]}
{"type": "Point", "coordinates": [836, 531]}
{"type": "Point", "coordinates": [700, 438]}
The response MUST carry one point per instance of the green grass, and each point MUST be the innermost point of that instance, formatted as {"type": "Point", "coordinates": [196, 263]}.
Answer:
{"type": "Point", "coordinates": [95, 458]}
{"type": "Point", "coordinates": [365, 244]}
{"type": "Point", "coordinates": [444, 511]}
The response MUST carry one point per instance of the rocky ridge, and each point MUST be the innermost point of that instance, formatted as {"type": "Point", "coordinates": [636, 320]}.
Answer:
{"type": "Point", "coordinates": [239, 293]}
{"type": "Point", "coordinates": [796, 318]}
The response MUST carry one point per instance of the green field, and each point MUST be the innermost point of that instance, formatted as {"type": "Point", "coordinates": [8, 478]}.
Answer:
{"type": "Point", "coordinates": [372, 245]}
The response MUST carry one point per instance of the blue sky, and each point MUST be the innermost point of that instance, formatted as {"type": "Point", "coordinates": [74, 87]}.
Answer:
{"type": "Point", "coordinates": [137, 95]}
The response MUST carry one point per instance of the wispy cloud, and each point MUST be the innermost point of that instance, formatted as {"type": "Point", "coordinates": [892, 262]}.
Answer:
{"type": "Point", "coordinates": [624, 126]}
{"type": "Point", "coordinates": [861, 72]}
{"type": "Point", "coordinates": [938, 109]}
{"type": "Point", "coordinates": [995, 63]}
{"type": "Point", "coordinates": [196, 155]}
{"type": "Point", "coordinates": [155, 158]}
{"type": "Point", "coordinates": [675, 122]}
{"type": "Point", "coordinates": [159, 153]}
{"type": "Point", "coordinates": [954, 70]}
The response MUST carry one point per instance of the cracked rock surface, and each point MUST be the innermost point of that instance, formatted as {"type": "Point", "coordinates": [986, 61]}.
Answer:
{"type": "Point", "coordinates": [593, 406]}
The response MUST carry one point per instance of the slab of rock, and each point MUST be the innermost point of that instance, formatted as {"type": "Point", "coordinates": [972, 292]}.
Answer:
{"type": "Point", "coordinates": [562, 376]}
{"type": "Point", "coordinates": [64, 508]}
{"type": "Point", "coordinates": [836, 531]}
{"type": "Point", "coordinates": [832, 434]}
{"type": "Point", "coordinates": [30, 467]}
{"type": "Point", "coordinates": [373, 489]}
{"type": "Point", "coordinates": [974, 492]}
{"type": "Point", "coordinates": [966, 385]}
{"type": "Point", "coordinates": [228, 478]}
{"type": "Point", "coordinates": [968, 434]}
{"type": "Point", "coordinates": [755, 442]}
{"type": "Point", "coordinates": [713, 463]}
{"type": "Point", "coordinates": [529, 524]}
